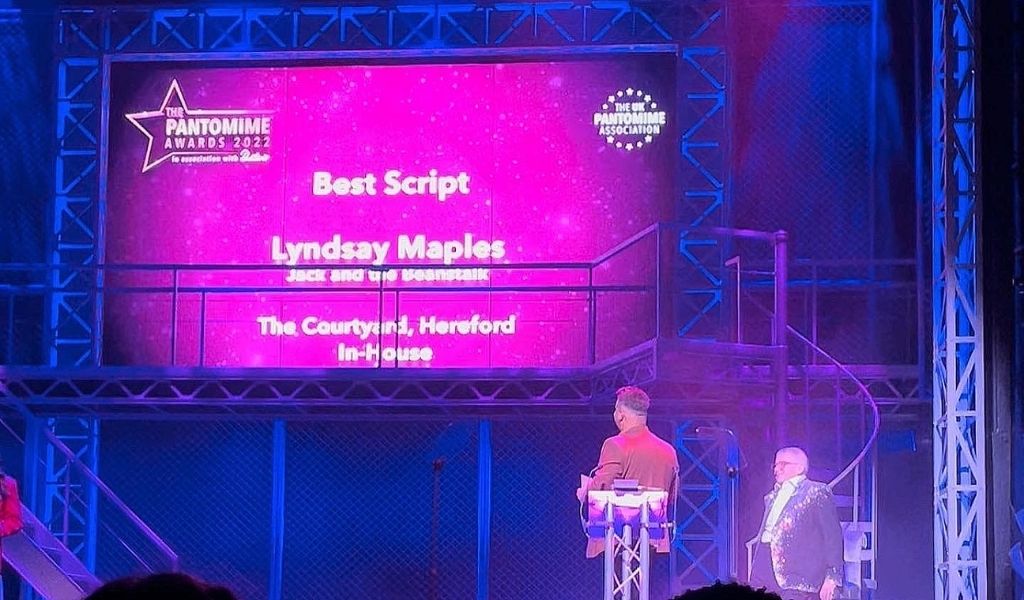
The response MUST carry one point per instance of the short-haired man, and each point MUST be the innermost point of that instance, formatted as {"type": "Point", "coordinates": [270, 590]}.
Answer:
{"type": "Point", "coordinates": [635, 453]}
{"type": "Point", "coordinates": [799, 554]}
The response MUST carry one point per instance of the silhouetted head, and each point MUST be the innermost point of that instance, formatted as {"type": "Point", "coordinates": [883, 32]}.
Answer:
{"type": "Point", "coordinates": [161, 586]}
{"type": "Point", "coordinates": [727, 591]}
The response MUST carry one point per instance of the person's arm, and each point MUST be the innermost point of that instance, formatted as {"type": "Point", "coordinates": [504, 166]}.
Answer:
{"type": "Point", "coordinates": [10, 519]}
{"type": "Point", "coordinates": [609, 467]}
{"type": "Point", "coordinates": [832, 543]}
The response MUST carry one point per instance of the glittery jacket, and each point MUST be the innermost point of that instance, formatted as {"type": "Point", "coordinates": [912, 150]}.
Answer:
{"type": "Point", "coordinates": [807, 540]}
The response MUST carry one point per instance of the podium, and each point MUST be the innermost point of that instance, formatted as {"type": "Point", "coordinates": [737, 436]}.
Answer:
{"type": "Point", "coordinates": [628, 522]}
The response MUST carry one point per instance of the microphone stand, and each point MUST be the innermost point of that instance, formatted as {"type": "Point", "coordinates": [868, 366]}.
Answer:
{"type": "Point", "coordinates": [732, 471]}
{"type": "Point", "coordinates": [435, 527]}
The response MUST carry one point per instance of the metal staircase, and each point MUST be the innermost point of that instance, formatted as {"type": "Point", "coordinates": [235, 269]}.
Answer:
{"type": "Point", "coordinates": [40, 554]}
{"type": "Point", "coordinates": [856, 420]}
{"type": "Point", "coordinates": [819, 389]}
{"type": "Point", "coordinates": [854, 484]}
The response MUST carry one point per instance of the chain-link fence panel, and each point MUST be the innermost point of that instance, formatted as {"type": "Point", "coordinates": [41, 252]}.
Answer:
{"type": "Point", "coordinates": [21, 325]}
{"type": "Point", "coordinates": [203, 486]}
{"type": "Point", "coordinates": [12, 444]}
{"type": "Point", "coordinates": [386, 508]}
{"type": "Point", "coordinates": [801, 141]}
{"type": "Point", "coordinates": [26, 132]}
{"type": "Point", "coordinates": [381, 509]}
{"type": "Point", "coordinates": [810, 84]}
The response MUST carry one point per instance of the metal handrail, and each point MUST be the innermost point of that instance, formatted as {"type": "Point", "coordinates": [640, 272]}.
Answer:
{"type": "Point", "coordinates": [151, 535]}
{"type": "Point", "coordinates": [72, 460]}
{"type": "Point", "coordinates": [870, 399]}
{"type": "Point", "coordinates": [156, 540]}
{"type": "Point", "coordinates": [868, 396]}
{"type": "Point", "coordinates": [220, 267]}
{"type": "Point", "coordinates": [854, 465]}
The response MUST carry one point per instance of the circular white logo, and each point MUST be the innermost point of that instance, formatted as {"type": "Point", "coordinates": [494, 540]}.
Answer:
{"type": "Point", "coordinates": [629, 119]}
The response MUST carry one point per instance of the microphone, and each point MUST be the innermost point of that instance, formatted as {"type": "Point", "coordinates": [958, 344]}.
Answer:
{"type": "Point", "coordinates": [705, 429]}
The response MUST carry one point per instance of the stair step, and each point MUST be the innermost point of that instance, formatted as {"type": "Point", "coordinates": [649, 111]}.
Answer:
{"type": "Point", "coordinates": [43, 563]}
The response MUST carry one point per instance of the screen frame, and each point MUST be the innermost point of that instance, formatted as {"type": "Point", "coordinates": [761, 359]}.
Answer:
{"type": "Point", "coordinates": [340, 58]}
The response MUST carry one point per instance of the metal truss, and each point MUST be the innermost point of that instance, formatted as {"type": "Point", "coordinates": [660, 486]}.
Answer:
{"type": "Point", "coordinates": [702, 83]}
{"type": "Point", "coordinates": [627, 554]}
{"type": "Point", "coordinates": [889, 385]}
{"type": "Point", "coordinates": [638, 367]}
{"type": "Point", "coordinates": [700, 375]}
{"type": "Point", "coordinates": [634, 570]}
{"type": "Point", "coordinates": [960, 446]}
{"type": "Point", "coordinates": [69, 498]}
{"type": "Point", "coordinates": [704, 543]}
{"type": "Point", "coordinates": [72, 314]}
{"type": "Point", "coordinates": [72, 308]}
{"type": "Point", "coordinates": [218, 393]}
{"type": "Point", "coordinates": [366, 27]}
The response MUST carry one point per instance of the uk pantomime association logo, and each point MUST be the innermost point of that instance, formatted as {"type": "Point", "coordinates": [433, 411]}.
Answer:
{"type": "Point", "coordinates": [629, 119]}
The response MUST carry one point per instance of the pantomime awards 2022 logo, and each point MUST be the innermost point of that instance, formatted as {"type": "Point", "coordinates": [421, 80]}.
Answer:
{"type": "Point", "coordinates": [180, 134]}
{"type": "Point", "coordinates": [629, 119]}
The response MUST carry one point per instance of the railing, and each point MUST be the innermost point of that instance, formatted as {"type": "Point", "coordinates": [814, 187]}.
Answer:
{"type": "Point", "coordinates": [651, 257]}
{"type": "Point", "coordinates": [816, 291]}
{"type": "Point", "coordinates": [865, 400]}
{"type": "Point", "coordinates": [856, 474]}
{"type": "Point", "coordinates": [134, 546]}
{"type": "Point", "coordinates": [621, 286]}
{"type": "Point", "coordinates": [851, 306]}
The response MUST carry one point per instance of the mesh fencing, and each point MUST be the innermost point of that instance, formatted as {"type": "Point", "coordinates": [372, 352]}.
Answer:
{"type": "Point", "coordinates": [203, 486]}
{"type": "Point", "coordinates": [26, 125]}
{"type": "Point", "coordinates": [538, 543]}
{"type": "Point", "coordinates": [361, 512]}
{"type": "Point", "coordinates": [801, 155]}
{"type": "Point", "coordinates": [26, 132]}
{"type": "Point", "coordinates": [805, 96]}
{"type": "Point", "coordinates": [385, 509]}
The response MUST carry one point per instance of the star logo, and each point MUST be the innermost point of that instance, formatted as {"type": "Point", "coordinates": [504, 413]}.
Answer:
{"type": "Point", "coordinates": [630, 119]}
{"type": "Point", "coordinates": [153, 125]}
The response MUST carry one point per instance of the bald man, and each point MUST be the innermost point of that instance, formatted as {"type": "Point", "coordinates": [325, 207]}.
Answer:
{"type": "Point", "coordinates": [799, 554]}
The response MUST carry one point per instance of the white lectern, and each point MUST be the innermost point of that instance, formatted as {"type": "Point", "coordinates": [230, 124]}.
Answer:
{"type": "Point", "coordinates": [628, 522]}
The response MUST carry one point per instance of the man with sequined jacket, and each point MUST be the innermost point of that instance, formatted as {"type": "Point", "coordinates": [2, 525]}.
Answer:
{"type": "Point", "coordinates": [799, 551]}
